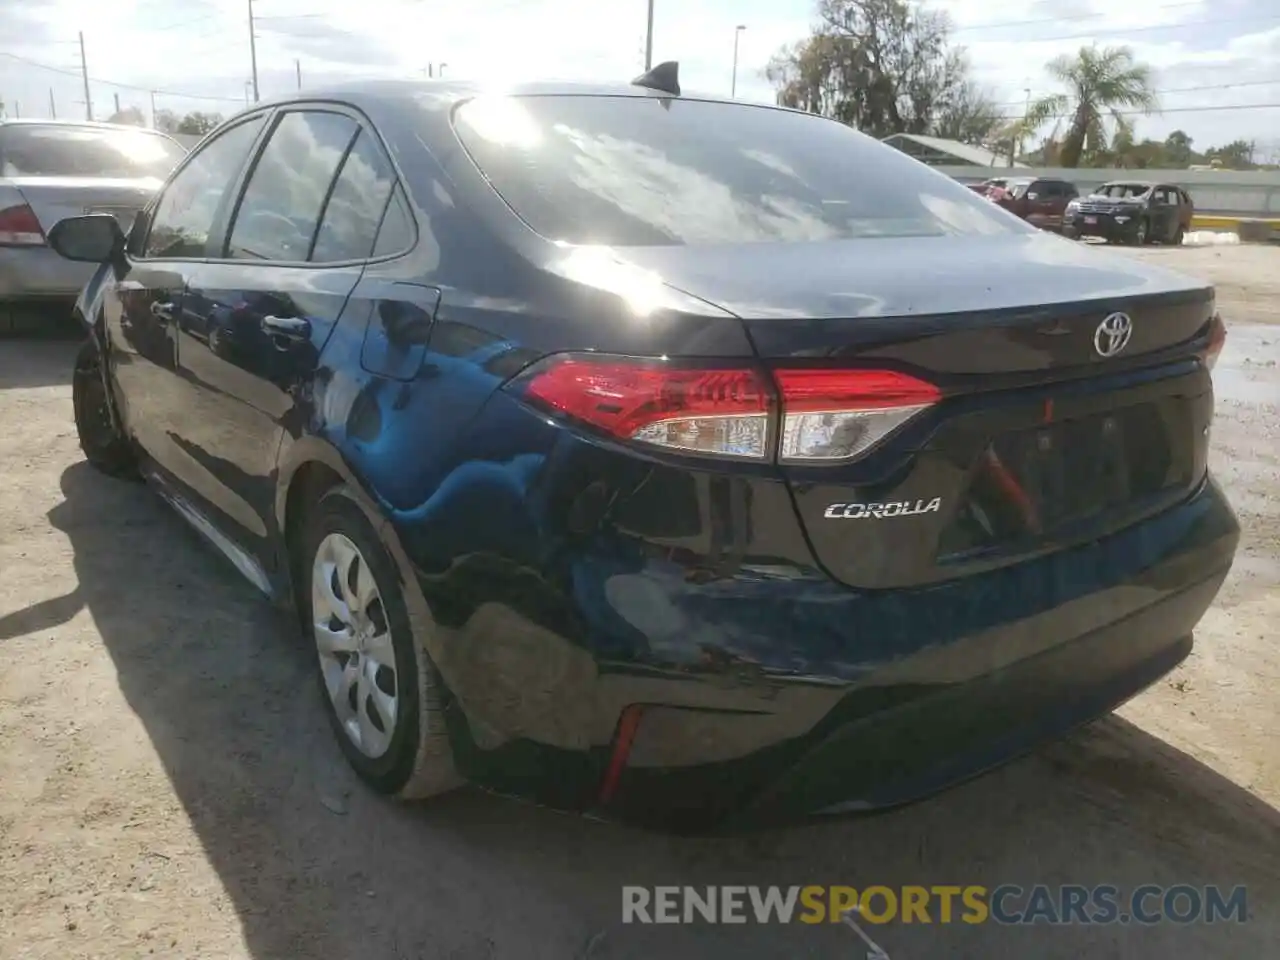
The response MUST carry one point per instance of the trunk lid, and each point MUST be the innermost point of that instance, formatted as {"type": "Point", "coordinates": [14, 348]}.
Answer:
{"type": "Point", "coordinates": [1044, 436]}
{"type": "Point", "coordinates": [55, 198]}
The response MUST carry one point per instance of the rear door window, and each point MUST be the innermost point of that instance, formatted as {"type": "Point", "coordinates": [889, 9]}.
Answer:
{"type": "Point", "coordinates": [356, 204]}
{"type": "Point", "coordinates": [281, 205]}
{"type": "Point", "coordinates": [643, 170]}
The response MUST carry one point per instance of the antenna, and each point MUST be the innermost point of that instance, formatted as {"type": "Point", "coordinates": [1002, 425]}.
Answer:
{"type": "Point", "coordinates": [665, 78]}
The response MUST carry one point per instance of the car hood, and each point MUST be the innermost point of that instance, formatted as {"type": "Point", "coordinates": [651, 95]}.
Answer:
{"type": "Point", "coordinates": [899, 277]}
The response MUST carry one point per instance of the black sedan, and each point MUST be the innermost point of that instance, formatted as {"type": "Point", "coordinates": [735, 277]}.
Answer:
{"type": "Point", "coordinates": [657, 456]}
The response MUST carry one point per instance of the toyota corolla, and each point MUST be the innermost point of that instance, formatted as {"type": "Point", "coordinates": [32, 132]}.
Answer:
{"type": "Point", "coordinates": [656, 456]}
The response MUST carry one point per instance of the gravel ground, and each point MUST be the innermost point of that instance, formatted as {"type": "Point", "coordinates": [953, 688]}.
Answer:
{"type": "Point", "coordinates": [168, 785]}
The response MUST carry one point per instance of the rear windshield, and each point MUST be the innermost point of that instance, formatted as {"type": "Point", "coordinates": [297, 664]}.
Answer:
{"type": "Point", "coordinates": [634, 171]}
{"type": "Point", "coordinates": [49, 150]}
{"type": "Point", "coordinates": [1123, 191]}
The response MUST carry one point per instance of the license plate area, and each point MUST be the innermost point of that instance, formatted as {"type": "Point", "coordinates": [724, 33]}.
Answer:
{"type": "Point", "coordinates": [1091, 220]}
{"type": "Point", "coordinates": [1033, 485]}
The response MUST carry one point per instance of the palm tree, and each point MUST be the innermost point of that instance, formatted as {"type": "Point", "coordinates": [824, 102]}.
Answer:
{"type": "Point", "coordinates": [1098, 82]}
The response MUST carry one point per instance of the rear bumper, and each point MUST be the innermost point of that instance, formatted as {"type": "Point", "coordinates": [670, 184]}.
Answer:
{"type": "Point", "coordinates": [807, 697]}
{"type": "Point", "coordinates": [37, 273]}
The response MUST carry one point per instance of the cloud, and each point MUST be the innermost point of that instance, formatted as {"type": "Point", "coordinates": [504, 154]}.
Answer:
{"type": "Point", "coordinates": [200, 47]}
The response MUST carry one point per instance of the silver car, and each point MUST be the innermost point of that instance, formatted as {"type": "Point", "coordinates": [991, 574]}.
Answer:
{"type": "Point", "coordinates": [50, 169]}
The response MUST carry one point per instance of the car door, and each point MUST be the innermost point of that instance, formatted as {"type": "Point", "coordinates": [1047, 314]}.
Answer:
{"type": "Point", "coordinates": [1166, 199]}
{"type": "Point", "coordinates": [168, 242]}
{"type": "Point", "coordinates": [295, 248]}
{"type": "Point", "coordinates": [1041, 197]}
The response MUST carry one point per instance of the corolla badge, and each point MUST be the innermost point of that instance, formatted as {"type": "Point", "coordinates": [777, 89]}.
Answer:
{"type": "Point", "coordinates": [1112, 334]}
{"type": "Point", "coordinates": [881, 511]}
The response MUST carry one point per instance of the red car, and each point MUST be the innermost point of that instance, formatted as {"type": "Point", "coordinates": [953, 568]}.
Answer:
{"type": "Point", "coordinates": [1041, 201]}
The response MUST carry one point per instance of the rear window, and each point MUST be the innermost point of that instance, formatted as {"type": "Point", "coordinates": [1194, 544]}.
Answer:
{"type": "Point", "coordinates": [49, 150]}
{"type": "Point", "coordinates": [1124, 191]}
{"type": "Point", "coordinates": [634, 171]}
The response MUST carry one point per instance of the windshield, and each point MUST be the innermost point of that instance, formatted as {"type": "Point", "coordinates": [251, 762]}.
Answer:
{"type": "Point", "coordinates": [633, 171]}
{"type": "Point", "coordinates": [66, 150]}
{"type": "Point", "coordinates": [1123, 191]}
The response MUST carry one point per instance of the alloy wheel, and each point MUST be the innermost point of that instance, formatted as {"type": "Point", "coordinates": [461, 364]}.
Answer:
{"type": "Point", "coordinates": [353, 641]}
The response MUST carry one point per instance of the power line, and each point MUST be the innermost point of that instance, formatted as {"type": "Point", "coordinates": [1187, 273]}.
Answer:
{"type": "Point", "coordinates": [1002, 24]}
{"type": "Point", "coordinates": [1161, 92]}
{"type": "Point", "coordinates": [122, 86]}
{"type": "Point", "coordinates": [1147, 29]}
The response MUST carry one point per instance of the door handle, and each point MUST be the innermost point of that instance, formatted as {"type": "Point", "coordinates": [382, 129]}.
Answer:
{"type": "Point", "coordinates": [290, 328]}
{"type": "Point", "coordinates": [163, 310]}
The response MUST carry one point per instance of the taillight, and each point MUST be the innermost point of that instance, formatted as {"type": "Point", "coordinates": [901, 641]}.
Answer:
{"type": "Point", "coordinates": [729, 410]}
{"type": "Point", "coordinates": [1217, 340]}
{"type": "Point", "coordinates": [838, 414]}
{"type": "Point", "coordinates": [20, 228]}
{"type": "Point", "coordinates": [706, 409]}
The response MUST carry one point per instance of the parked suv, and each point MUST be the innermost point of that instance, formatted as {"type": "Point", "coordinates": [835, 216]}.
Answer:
{"type": "Point", "coordinates": [1133, 212]}
{"type": "Point", "coordinates": [1040, 201]}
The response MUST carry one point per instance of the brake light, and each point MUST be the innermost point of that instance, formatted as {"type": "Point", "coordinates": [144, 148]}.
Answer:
{"type": "Point", "coordinates": [838, 414]}
{"type": "Point", "coordinates": [19, 227]}
{"type": "Point", "coordinates": [717, 410]}
{"type": "Point", "coordinates": [729, 409]}
{"type": "Point", "coordinates": [1217, 340]}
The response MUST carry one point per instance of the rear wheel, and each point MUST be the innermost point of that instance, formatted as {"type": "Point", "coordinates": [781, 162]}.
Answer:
{"type": "Point", "coordinates": [381, 690]}
{"type": "Point", "coordinates": [1178, 236]}
{"type": "Point", "coordinates": [102, 442]}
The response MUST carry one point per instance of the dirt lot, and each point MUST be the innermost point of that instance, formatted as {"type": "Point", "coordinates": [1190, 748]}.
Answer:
{"type": "Point", "coordinates": [168, 785]}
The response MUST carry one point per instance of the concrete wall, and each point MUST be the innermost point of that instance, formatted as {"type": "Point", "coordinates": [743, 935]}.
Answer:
{"type": "Point", "coordinates": [1227, 193]}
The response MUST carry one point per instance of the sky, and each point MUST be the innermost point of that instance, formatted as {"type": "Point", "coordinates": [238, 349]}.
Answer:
{"type": "Point", "coordinates": [195, 53]}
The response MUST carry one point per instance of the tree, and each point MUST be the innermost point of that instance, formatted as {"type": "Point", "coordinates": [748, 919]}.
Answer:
{"type": "Point", "coordinates": [969, 115]}
{"type": "Point", "coordinates": [167, 121]}
{"type": "Point", "coordinates": [1237, 155]}
{"type": "Point", "coordinates": [1177, 150]}
{"type": "Point", "coordinates": [130, 115]}
{"type": "Point", "coordinates": [883, 66]}
{"type": "Point", "coordinates": [1099, 82]}
{"type": "Point", "coordinates": [198, 123]}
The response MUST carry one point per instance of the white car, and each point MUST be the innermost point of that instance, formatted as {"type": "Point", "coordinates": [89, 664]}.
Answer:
{"type": "Point", "coordinates": [50, 169]}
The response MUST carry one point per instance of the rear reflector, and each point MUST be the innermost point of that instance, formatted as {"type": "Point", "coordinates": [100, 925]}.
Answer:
{"type": "Point", "coordinates": [729, 410]}
{"type": "Point", "coordinates": [20, 228]}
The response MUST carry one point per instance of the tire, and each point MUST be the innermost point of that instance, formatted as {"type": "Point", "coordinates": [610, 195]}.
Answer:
{"type": "Point", "coordinates": [104, 446]}
{"type": "Point", "coordinates": [1178, 236]}
{"type": "Point", "coordinates": [409, 756]}
{"type": "Point", "coordinates": [1141, 234]}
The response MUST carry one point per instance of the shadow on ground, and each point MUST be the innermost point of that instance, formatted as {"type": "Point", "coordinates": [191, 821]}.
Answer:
{"type": "Point", "coordinates": [319, 868]}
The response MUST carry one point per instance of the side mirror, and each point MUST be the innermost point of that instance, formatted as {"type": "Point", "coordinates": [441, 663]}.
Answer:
{"type": "Point", "coordinates": [96, 238]}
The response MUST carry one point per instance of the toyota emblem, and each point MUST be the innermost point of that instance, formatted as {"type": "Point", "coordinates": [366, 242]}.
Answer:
{"type": "Point", "coordinates": [1112, 334]}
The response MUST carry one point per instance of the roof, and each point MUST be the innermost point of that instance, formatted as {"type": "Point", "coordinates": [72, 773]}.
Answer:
{"type": "Point", "coordinates": [978, 156]}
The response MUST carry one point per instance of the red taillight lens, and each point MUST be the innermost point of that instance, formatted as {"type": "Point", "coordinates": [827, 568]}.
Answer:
{"type": "Point", "coordinates": [839, 414]}
{"type": "Point", "coordinates": [1217, 340]}
{"type": "Point", "coordinates": [20, 228]}
{"type": "Point", "coordinates": [719, 410]}
{"type": "Point", "coordinates": [728, 409]}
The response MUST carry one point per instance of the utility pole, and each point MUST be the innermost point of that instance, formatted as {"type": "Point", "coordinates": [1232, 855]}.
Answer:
{"type": "Point", "coordinates": [117, 96]}
{"type": "Point", "coordinates": [53, 107]}
{"type": "Point", "coordinates": [153, 109]}
{"type": "Point", "coordinates": [648, 41]}
{"type": "Point", "coordinates": [297, 65]}
{"type": "Point", "coordinates": [733, 88]}
{"type": "Point", "coordinates": [253, 51]}
{"type": "Point", "coordinates": [84, 72]}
